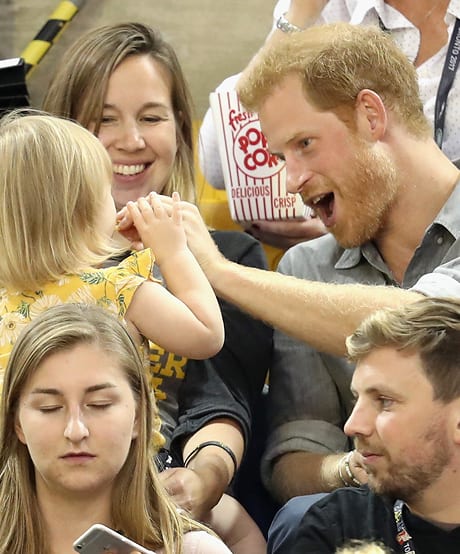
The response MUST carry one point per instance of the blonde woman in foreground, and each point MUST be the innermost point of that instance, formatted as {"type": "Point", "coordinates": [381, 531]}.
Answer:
{"type": "Point", "coordinates": [77, 441]}
{"type": "Point", "coordinates": [359, 547]}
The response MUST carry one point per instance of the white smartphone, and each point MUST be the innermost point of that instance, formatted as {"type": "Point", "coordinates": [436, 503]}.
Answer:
{"type": "Point", "coordinates": [99, 539]}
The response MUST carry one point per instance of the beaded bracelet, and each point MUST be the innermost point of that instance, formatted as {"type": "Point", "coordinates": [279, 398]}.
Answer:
{"type": "Point", "coordinates": [202, 445]}
{"type": "Point", "coordinates": [348, 471]}
{"type": "Point", "coordinates": [339, 469]}
{"type": "Point", "coordinates": [345, 462]}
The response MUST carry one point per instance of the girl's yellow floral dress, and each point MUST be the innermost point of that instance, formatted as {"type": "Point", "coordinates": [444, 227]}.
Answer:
{"type": "Point", "coordinates": [111, 288]}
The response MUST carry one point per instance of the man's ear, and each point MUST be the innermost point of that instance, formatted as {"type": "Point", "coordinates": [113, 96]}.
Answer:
{"type": "Point", "coordinates": [372, 116]}
{"type": "Point", "coordinates": [455, 420]}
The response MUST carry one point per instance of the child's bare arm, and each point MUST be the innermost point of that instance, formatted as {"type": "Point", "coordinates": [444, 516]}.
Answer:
{"type": "Point", "coordinates": [186, 318]}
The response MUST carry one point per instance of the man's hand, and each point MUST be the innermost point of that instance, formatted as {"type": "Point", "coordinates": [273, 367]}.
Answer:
{"type": "Point", "coordinates": [198, 238]}
{"type": "Point", "coordinates": [357, 467]}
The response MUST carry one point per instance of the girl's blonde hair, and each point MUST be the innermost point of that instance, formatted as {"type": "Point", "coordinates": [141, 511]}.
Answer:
{"type": "Point", "coordinates": [141, 507]}
{"type": "Point", "coordinates": [54, 180]}
{"type": "Point", "coordinates": [79, 87]}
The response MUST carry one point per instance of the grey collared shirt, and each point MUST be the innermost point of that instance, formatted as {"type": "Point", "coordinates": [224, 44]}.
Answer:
{"type": "Point", "coordinates": [309, 397]}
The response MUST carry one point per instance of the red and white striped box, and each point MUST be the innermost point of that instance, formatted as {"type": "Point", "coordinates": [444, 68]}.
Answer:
{"type": "Point", "coordinates": [255, 179]}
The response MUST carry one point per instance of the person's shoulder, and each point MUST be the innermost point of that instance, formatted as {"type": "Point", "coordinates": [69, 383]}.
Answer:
{"type": "Point", "coordinates": [324, 251]}
{"type": "Point", "coordinates": [200, 542]}
{"type": "Point", "coordinates": [347, 495]}
{"type": "Point", "coordinates": [353, 500]}
{"type": "Point", "coordinates": [137, 263]}
{"type": "Point", "coordinates": [127, 258]}
{"type": "Point", "coordinates": [325, 243]}
{"type": "Point", "coordinates": [343, 515]}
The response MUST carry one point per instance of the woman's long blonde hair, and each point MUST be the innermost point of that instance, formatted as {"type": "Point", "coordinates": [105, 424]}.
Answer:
{"type": "Point", "coordinates": [140, 506]}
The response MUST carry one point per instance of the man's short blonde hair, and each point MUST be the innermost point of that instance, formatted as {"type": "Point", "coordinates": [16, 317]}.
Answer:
{"type": "Point", "coordinates": [429, 327]}
{"type": "Point", "coordinates": [335, 62]}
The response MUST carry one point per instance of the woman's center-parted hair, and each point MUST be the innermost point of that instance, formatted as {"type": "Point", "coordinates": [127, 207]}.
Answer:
{"type": "Point", "coordinates": [78, 88]}
{"type": "Point", "coordinates": [53, 184]}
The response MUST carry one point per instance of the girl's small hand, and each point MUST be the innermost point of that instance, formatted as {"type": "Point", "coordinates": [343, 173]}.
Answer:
{"type": "Point", "coordinates": [158, 230]}
{"type": "Point", "coordinates": [123, 220]}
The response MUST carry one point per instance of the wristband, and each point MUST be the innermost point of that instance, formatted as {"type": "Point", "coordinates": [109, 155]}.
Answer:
{"type": "Point", "coordinates": [284, 25]}
{"type": "Point", "coordinates": [202, 445]}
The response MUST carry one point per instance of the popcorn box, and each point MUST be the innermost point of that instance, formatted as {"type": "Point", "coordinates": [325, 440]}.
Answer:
{"type": "Point", "coordinates": [255, 179]}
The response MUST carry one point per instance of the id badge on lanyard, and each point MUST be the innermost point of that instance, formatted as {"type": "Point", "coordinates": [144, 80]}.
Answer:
{"type": "Point", "coordinates": [402, 536]}
{"type": "Point", "coordinates": [447, 79]}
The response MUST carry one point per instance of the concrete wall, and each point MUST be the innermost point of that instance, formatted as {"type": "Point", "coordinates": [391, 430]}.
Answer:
{"type": "Point", "coordinates": [213, 38]}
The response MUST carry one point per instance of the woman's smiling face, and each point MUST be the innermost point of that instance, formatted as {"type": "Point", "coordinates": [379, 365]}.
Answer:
{"type": "Point", "coordinates": [138, 128]}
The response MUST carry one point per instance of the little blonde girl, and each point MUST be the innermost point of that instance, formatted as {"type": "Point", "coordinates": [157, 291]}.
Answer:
{"type": "Point", "coordinates": [57, 217]}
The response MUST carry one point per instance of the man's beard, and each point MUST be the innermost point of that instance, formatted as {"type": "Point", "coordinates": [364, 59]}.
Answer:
{"type": "Point", "coordinates": [371, 187]}
{"type": "Point", "coordinates": [408, 481]}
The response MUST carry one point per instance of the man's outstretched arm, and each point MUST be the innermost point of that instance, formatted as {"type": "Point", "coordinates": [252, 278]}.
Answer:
{"type": "Point", "coordinates": [321, 314]}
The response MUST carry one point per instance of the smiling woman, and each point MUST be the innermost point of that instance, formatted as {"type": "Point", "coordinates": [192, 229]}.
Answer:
{"type": "Point", "coordinates": [139, 134]}
{"type": "Point", "coordinates": [125, 84]}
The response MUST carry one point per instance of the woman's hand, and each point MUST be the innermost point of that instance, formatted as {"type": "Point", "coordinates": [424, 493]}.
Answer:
{"type": "Point", "coordinates": [190, 490]}
{"type": "Point", "coordinates": [126, 228]}
{"type": "Point", "coordinates": [286, 233]}
{"type": "Point", "coordinates": [304, 13]}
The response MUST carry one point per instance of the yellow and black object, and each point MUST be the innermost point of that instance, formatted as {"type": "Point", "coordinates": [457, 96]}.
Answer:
{"type": "Point", "coordinates": [14, 71]}
{"type": "Point", "coordinates": [44, 39]}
